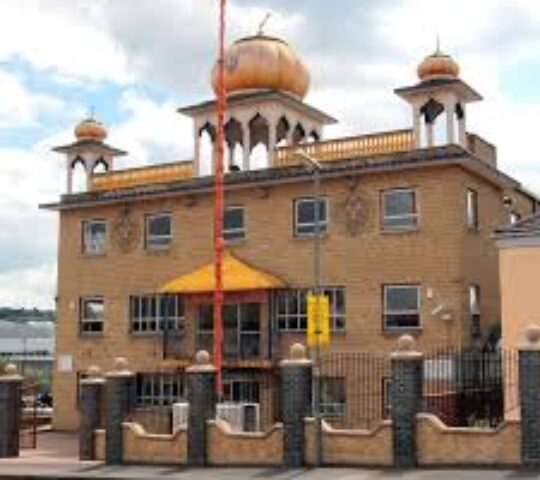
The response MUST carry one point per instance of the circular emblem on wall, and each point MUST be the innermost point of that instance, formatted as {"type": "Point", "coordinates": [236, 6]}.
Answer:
{"type": "Point", "coordinates": [125, 231]}
{"type": "Point", "coordinates": [353, 214]}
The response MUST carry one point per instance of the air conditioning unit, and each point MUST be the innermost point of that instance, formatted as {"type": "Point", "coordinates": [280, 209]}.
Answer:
{"type": "Point", "coordinates": [180, 413]}
{"type": "Point", "coordinates": [242, 417]}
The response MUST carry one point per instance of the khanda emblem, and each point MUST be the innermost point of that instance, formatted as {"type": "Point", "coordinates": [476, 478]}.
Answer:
{"type": "Point", "coordinates": [125, 231]}
{"type": "Point", "coordinates": [353, 214]}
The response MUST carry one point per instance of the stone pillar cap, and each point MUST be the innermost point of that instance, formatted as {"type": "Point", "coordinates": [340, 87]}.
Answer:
{"type": "Point", "coordinates": [202, 363]}
{"type": "Point", "coordinates": [406, 349]}
{"type": "Point", "coordinates": [94, 376]}
{"type": "Point", "coordinates": [532, 338]}
{"type": "Point", "coordinates": [297, 356]}
{"type": "Point", "coordinates": [120, 368]}
{"type": "Point", "coordinates": [11, 374]}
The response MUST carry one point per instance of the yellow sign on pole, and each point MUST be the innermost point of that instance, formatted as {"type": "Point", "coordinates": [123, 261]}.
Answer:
{"type": "Point", "coordinates": [318, 320]}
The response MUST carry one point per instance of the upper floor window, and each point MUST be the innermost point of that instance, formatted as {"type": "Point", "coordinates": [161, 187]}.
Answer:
{"type": "Point", "coordinates": [400, 210]}
{"type": "Point", "coordinates": [91, 315]}
{"type": "Point", "coordinates": [94, 235]}
{"type": "Point", "coordinates": [474, 308]}
{"type": "Point", "coordinates": [304, 216]}
{"type": "Point", "coordinates": [156, 313]}
{"type": "Point", "coordinates": [401, 306]}
{"type": "Point", "coordinates": [234, 227]}
{"type": "Point", "coordinates": [158, 231]}
{"type": "Point", "coordinates": [291, 308]}
{"type": "Point", "coordinates": [514, 217]}
{"type": "Point", "coordinates": [472, 209]}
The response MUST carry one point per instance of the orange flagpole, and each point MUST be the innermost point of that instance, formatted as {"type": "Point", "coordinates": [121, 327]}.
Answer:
{"type": "Point", "coordinates": [218, 206]}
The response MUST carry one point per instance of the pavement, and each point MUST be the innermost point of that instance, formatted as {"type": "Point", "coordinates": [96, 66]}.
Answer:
{"type": "Point", "coordinates": [56, 458]}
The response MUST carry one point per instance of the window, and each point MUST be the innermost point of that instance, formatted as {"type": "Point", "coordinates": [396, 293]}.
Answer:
{"type": "Point", "coordinates": [94, 234]}
{"type": "Point", "coordinates": [304, 217]}
{"type": "Point", "coordinates": [332, 396]}
{"type": "Point", "coordinates": [241, 391]}
{"type": "Point", "coordinates": [401, 306]}
{"type": "Point", "coordinates": [91, 315]}
{"type": "Point", "coordinates": [160, 389]}
{"type": "Point", "coordinates": [474, 308]}
{"type": "Point", "coordinates": [290, 308]}
{"type": "Point", "coordinates": [155, 313]}
{"type": "Point", "coordinates": [472, 210]}
{"type": "Point", "coordinates": [400, 209]}
{"type": "Point", "coordinates": [158, 231]}
{"type": "Point", "coordinates": [233, 223]}
{"type": "Point", "coordinates": [514, 217]}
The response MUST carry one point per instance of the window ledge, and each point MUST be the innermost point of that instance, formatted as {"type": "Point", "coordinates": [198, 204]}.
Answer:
{"type": "Point", "coordinates": [91, 334]}
{"type": "Point", "coordinates": [235, 243]}
{"type": "Point", "coordinates": [92, 255]}
{"type": "Point", "coordinates": [391, 332]}
{"type": "Point", "coordinates": [393, 231]}
{"type": "Point", "coordinates": [158, 250]}
{"type": "Point", "coordinates": [310, 238]}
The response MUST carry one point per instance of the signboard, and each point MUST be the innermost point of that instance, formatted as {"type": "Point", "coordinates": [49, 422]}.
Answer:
{"type": "Point", "coordinates": [318, 320]}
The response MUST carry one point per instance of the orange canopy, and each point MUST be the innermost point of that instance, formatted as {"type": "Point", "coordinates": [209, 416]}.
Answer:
{"type": "Point", "coordinates": [237, 276]}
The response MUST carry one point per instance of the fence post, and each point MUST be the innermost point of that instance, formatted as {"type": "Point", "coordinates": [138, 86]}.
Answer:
{"type": "Point", "coordinates": [296, 384]}
{"type": "Point", "coordinates": [529, 394]}
{"type": "Point", "coordinates": [201, 378]}
{"type": "Point", "coordinates": [118, 402]}
{"type": "Point", "coordinates": [91, 393]}
{"type": "Point", "coordinates": [10, 411]}
{"type": "Point", "coordinates": [406, 398]}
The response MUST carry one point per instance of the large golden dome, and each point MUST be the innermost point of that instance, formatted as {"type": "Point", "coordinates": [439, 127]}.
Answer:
{"type": "Point", "coordinates": [90, 129]}
{"type": "Point", "coordinates": [438, 65]}
{"type": "Point", "coordinates": [262, 62]}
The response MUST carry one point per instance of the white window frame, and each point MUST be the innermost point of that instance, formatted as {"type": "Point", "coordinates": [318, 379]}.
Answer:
{"type": "Point", "coordinates": [152, 324]}
{"type": "Point", "coordinates": [387, 313]}
{"type": "Point", "coordinates": [90, 247]}
{"type": "Point", "coordinates": [413, 217]}
{"type": "Point", "coordinates": [148, 238]}
{"type": "Point", "coordinates": [241, 232]}
{"type": "Point", "coordinates": [323, 225]}
{"type": "Point", "coordinates": [87, 321]}
{"type": "Point", "coordinates": [158, 384]}
{"type": "Point", "coordinates": [473, 210]}
{"type": "Point", "coordinates": [292, 322]}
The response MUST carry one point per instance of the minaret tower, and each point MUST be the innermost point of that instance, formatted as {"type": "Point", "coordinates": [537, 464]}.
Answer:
{"type": "Point", "coordinates": [89, 150]}
{"type": "Point", "coordinates": [439, 91]}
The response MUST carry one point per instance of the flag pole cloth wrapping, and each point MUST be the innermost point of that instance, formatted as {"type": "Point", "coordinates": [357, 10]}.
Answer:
{"type": "Point", "coordinates": [237, 276]}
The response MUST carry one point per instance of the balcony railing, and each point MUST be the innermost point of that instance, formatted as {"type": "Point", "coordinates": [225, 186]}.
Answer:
{"type": "Point", "coordinates": [347, 148]}
{"type": "Point", "coordinates": [141, 176]}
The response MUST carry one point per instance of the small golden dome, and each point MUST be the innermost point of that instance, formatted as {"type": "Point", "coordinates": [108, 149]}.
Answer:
{"type": "Point", "coordinates": [262, 62]}
{"type": "Point", "coordinates": [90, 129]}
{"type": "Point", "coordinates": [438, 65]}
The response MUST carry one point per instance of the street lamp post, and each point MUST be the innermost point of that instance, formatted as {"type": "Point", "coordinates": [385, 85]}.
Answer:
{"type": "Point", "coordinates": [316, 168]}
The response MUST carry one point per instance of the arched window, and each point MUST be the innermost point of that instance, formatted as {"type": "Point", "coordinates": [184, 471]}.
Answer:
{"type": "Point", "coordinates": [100, 166]}
{"type": "Point", "coordinates": [206, 153]}
{"type": "Point", "coordinates": [78, 175]}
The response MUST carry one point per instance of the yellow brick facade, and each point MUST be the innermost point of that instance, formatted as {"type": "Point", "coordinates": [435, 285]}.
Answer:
{"type": "Point", "coordinates": [441, 255]}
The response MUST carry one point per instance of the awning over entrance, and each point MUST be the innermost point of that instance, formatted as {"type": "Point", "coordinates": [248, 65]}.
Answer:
{"type": "Point", "coordinates": [237, 276]}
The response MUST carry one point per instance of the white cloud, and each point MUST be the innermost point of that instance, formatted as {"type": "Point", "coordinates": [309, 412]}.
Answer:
{"type": "Point", "coordinates": [29, 287]}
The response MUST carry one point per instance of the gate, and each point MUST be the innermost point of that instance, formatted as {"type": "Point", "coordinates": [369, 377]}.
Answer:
{"type": "Point", "coordinates": [471, 387]}
{"type": "Point", "coordinates": [354, 389]}
{"type": "Point", "coordinates": [28, 414]}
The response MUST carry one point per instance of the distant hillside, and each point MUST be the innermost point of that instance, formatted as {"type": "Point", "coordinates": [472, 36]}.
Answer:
{"type": "Point", "coordinates": [25, 315]}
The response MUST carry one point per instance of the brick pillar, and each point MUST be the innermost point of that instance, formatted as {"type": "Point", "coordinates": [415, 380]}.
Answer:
{"type": "Point", "coordinates": [91, 390]}
{"type": "Point", "coordinates": [406, 398]}
{"type": "Point", "coordinates": [529, 394]}
{"type": "Point", "coordinates": [10, 412]}
{"type": "Point", "coordinates": [118, 403]}
{"type": "Point", "coordinates": [201, 382]}
{"type": "Point", "coordinates": [296, 383]}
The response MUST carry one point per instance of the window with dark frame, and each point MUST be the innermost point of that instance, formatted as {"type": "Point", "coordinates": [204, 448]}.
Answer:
{"type": "Point", "coordinates": [400, 210]}
{"type": "Point", "coordinates": [160, 389]}
{"type": "Point", "coordinates": [91, 315]}
{"type": "Point", "coordinates": [234, 227]}
{"type": "Point", "coordinates": [332, 396]}
{"type": "Point", "coordinates": [474, 309]}
{"type": "Point", "coordinates": [401, 307]}
{"type": "Point", "coordinates": [386, 397]}
{"type": "Point", "coordinates": [290, 309]}
{"type": "Point", "coordinates": [304, 217]}
{"type": "Point", "coordinates": [239, 390]}
{"type": "Point", "coordinates": [156, 313]}
{"type": "Point", "coordinates": [158, 231]}
{"type": "Point", "coordinates": [472, 209]}
{"type": "Point", "coordinates": [94, 233]}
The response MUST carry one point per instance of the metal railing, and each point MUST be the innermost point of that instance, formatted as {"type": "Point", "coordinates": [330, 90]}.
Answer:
{"type": "Point", "coordinates": [347, 148]}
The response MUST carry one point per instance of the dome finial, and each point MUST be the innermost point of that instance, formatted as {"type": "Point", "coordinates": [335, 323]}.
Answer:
{"type": "Point", "coordinates": [438, 45]}
{"type": "Point", "coordinates": [263, 23]}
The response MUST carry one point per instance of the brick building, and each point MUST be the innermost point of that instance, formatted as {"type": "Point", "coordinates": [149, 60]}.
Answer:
{"type": "Point", "coordinates": [407, 219]}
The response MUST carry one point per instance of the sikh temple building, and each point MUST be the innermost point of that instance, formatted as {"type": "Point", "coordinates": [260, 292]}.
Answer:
{"type": "Point", "coordinates": [406, 218]}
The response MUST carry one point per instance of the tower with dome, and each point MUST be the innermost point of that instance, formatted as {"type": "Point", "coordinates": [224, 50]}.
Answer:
{"type": "Point", "coordinates": [406, 217]}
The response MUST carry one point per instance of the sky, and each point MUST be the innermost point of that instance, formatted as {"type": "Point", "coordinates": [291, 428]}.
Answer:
{"type": "Point", "coordinates": [135, 62]}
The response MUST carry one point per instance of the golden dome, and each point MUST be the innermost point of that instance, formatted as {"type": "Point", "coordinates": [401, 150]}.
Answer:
{"type": "Point", "coordinates": [262, 62]}
{"type": "Point", "coordinates": [438, 65]}
{"type": "Point", "coordinates": [90, 129]}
